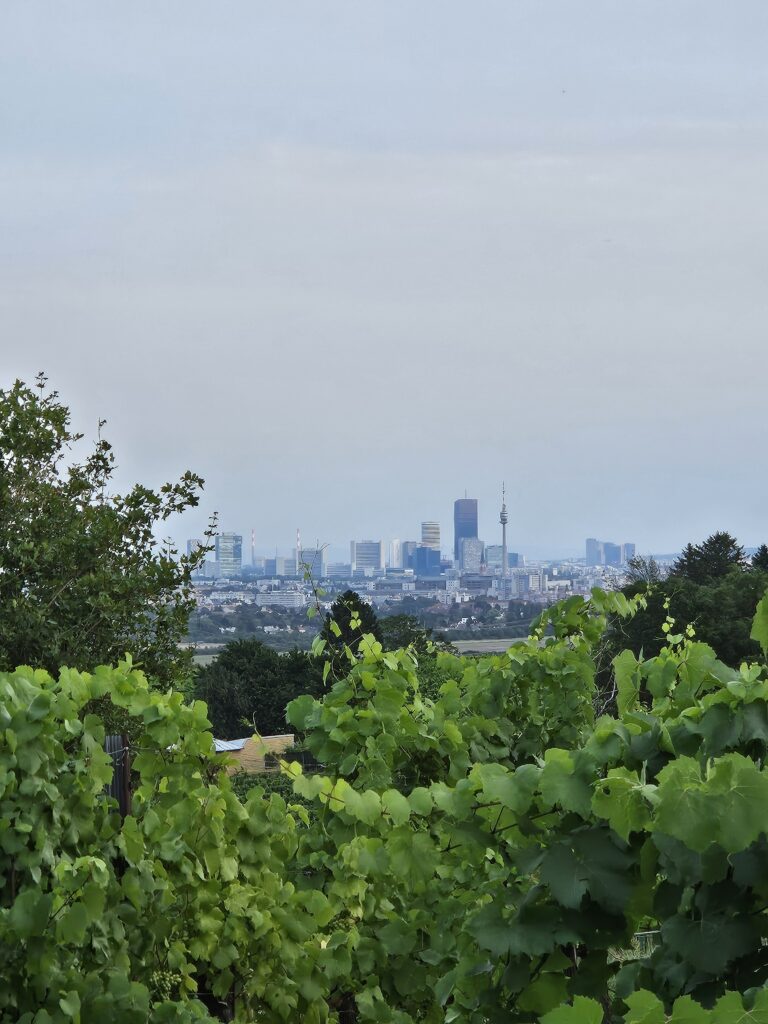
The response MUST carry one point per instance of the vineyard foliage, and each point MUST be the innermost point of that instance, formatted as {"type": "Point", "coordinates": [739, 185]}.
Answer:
{"type": "Point", "coordinates": [485, 856]}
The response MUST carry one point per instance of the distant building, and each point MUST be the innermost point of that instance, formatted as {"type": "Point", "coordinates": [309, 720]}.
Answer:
{"type": "Point", "coordinates": [427, 561]}
{"type": "Point", "coordinates": [471, 554]}
{"type": "Point", "coordinates": [611, 554]}
{"type": "Point", "coordinates": [204, 568]}
{"type": "Point", "coordinates": [604, 552]}
{"type": "Point", "coordinates": [395, 555]}
{"type": "Point", "coordinates": [408, 549]}
{"type": "Point", "coordinates": [430, 535]}
{"type": "Point", "coordinates": [537, 582]}
{"type": "Point", "coordinates": [493, 557]}
{"type": "Point", "coordinates": [464, 523]}
{"type": "Point", "coordinates": [279, 566]}
{"type": "Point", "coordinates": [311, 560]}
{"type": "Point", "coordinates": [366, 554]}
{"type": "Point", "coordinates": [229, 555]}
{"type": "Point", "coordinates": [594, 552]}
{"type": "Point", "coordinates": [339, 570]}
{"type": "Point", "coordinates": [282, 599]}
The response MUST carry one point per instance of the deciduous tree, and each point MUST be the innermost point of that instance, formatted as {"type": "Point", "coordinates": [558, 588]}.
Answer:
{"type": "Point", "coordinates": [83, 576]}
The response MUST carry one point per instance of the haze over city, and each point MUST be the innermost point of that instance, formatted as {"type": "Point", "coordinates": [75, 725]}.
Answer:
{"type": "Point", "coordinates": [348, 261]}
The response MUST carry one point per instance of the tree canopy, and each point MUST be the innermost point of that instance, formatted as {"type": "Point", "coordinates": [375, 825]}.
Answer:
{"type": "Point", "coordinates": [711, 588]}
{"type": "Point", "coordinates": [760, 558]}
{"type": "Point", "coordinates": [83, 577]}
{"type": "Point", "coordinates": [712, 559]}
{"type": "Point", "coordinates": [401, 631]}
{"type": "Point", "coordinates": [348, 621]}
{"type": "Point", "coordinates": [643, 569]}
{"type": "Point", "coordinates": [249, 686]}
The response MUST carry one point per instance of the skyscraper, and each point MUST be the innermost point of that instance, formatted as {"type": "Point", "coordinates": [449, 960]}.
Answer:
{"type": "Point", "coordinates": [408, 549]}
{"type": "Point", "coordinates": [366, 554]}
{"type": "Point", "coordinates": [310, 560]}
{"type": "Point", "coordinates": [229, 555]}
{"type": "Point", "coordinates": [595, 554]}
{"type": "Point", "coordinates": [471, 554]}
{"type": "Point", "coordinates": [464, 522]}
{"type": "Point", "coordinates": [627, 552]}
{"type": "Point", "coordinates": [611, 554]}
{"type": "Point", "coordinates": [395, 555]}
{"type": "Point", "coordinates": [427, 561]}
{"type": "Point", "coordinates": [430, 535]}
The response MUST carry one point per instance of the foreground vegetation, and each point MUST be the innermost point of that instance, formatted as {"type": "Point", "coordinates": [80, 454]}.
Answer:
{"type": "Point", "coordinates": [477, 857]}
{"type": "Point", "coordinates": [476, 847]}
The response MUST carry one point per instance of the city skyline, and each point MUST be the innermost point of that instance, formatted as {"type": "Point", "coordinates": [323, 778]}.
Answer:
{"type": "Point", "coordinates": [390, 550]}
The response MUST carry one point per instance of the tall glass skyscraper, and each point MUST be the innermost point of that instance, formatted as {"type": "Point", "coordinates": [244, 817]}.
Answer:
{"type": "Point", "coordinates": [229, 554]}
{"type": "Point", "coordinates": [464, 522]}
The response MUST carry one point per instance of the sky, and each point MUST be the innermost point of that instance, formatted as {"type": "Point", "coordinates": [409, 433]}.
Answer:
{"type": "Point", "coordinates": [348, 260]}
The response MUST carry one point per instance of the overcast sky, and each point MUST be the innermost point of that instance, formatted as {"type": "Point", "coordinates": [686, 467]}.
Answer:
{"type": "Point", "coordinates": [349, 259]}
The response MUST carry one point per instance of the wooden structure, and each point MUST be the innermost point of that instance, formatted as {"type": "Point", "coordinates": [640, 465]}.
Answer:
{"type": "Point", "coordinates": [252, 754]}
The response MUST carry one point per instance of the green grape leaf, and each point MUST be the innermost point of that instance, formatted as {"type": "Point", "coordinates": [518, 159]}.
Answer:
{"type": "Point", "coordinates": [728, 805]}
{"type": "Point", "coordinates": [628, 676]}
{"type": "Point", "coordinates": [396, 806]}
{"type": "Point", "coordinates": [29, 914]}
{"type": "Point", "coordinates": [730, 1009]}
{"type": "Point", "coordinates": [420, 800]}
{"type": "Point", "coordinates": [686, 1010]}
{"type": "Point", "coordinates": [70, 1006]}
{"type": "Point", "coordinates": [299, 710]}
{"type": "Point", "coordinates": [623, 801]}
{"type": "Point", "coordinates": [567, 780]}
{"type": "Point", "coordinates": [365, 806]}
{"type": "Point", "coordinates": [760, 625]}
{"type": "Point", "coordinates": [710, 944]}
{"type": "Point", "coordinates": [544, 993]}
{"type": "Point", "coordinates": [561, 871]}
{"type": "Point", "coordinates": [412, 856]}
{"type": "Point", "coordinates": [71, 927]}
{"type": "Point", "coordinates": [644, 1008]}
{"type": "Point", "coordinates": [509, 789]}
{"type": "Point", "coordinates": [583, 1011]}
{"type": "Point", "coordinates": [397, 937]}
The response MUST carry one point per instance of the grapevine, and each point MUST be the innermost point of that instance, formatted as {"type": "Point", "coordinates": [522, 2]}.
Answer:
{"type": "Point", "coordinates": [483, 854]}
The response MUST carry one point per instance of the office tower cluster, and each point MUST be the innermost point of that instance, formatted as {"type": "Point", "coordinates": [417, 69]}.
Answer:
{"type": "Point", "coordinates": [603, 552]}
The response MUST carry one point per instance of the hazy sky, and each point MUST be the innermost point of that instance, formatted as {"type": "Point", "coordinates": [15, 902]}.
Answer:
{"type": "Point", "coordinates": [349, 259]}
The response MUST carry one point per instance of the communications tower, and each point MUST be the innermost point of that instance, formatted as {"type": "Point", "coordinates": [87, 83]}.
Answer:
{"type": "Point", "coordinates": [504, 519]}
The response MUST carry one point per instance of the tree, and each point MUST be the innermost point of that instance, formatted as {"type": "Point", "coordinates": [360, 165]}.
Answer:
{"type": "Point", "coordinates": [642, 569]}
{"type": "Point", "coordinates": [401, 631]}
{"type": "Point", "coordinates": [720, 610]}
{"type": "Point", "coordinates": [83, 579]}
{"type": "Point", "coordinates": [348, 621]}
{"type": "Point", "coordinates": [249, 686]}
{"type": "Point", "coordinates": [760, 558]}
{"type": "Point", "coordinates": [712, 559]}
